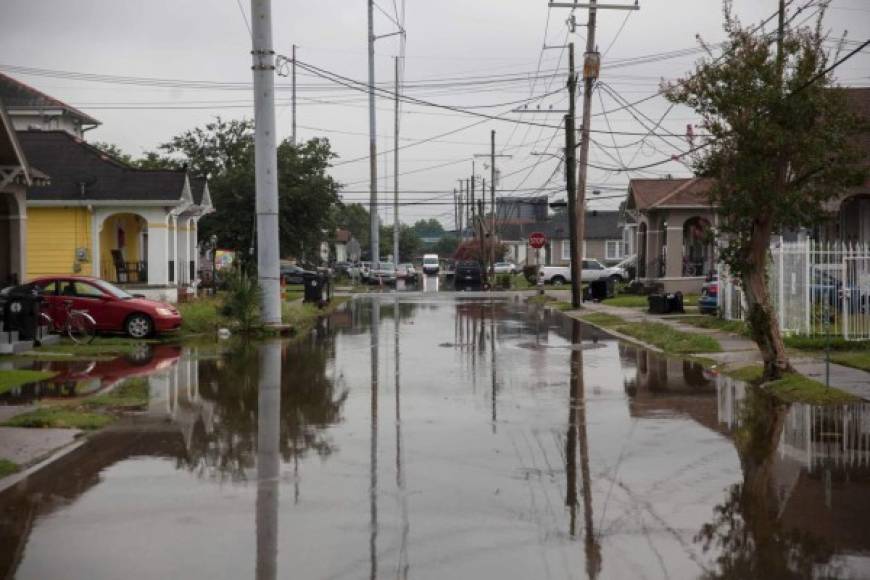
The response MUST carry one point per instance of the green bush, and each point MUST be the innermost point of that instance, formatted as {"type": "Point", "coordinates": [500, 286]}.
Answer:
{"type": "Point", "coordinates": [530, 273]}
{"type": "Point", "coordinates": [503, 281]}
{"type": "Point", "coordinates": [243, 300]}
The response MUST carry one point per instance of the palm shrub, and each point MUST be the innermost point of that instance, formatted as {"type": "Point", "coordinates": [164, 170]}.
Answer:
{"type": "Point", "coordinates": [243, 300]}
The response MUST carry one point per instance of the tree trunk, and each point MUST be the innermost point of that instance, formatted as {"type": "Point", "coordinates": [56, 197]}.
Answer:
{"type": "Point", "coordinates": [763, 323]}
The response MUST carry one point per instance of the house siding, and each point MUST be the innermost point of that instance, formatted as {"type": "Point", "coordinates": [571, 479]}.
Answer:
{"type": "Point", "coordinates": [53, 234]}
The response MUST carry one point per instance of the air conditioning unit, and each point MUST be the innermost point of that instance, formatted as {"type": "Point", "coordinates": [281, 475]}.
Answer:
{"type": "Point", "coordinates": [83, 255]}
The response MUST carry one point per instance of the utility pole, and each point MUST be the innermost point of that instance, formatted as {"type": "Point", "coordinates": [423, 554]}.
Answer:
{"type": "Point", "coordinates": [293, 97]}
{"type": "Point", "coordinates": [571, 184]}
{"type": "Point", "coordinates": [480, 220]}
{"type": "Point", "coordinates": [492, 179]}
{"type": "Point", "coordinates": [374, 232]}
{"type": "Point", "coordinates": [460, 210]}
{"type": "Point", "coordinates": [591, 66]}
{"type": "Point", "coordinates": [266, 161]}
{"type": "Point", "coordinates": [396, 171]}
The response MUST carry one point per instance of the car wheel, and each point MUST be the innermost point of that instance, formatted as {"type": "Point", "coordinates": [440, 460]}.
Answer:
{"type": "Point", "coordinates": [138, 326]}
{"type": "Point", "coordinates": [557, 281]}
{"type": "Point", "coordinates": [616, 278]}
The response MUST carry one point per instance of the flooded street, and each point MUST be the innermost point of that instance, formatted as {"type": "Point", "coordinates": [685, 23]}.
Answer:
{"type": "Point", "coordinates": [444, 436]}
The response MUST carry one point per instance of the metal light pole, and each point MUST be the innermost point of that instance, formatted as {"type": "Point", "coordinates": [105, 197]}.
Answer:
{"type": "Point", "coordinates": [266, 161]}
{"type": "Point", "coordinates": [374, 232]}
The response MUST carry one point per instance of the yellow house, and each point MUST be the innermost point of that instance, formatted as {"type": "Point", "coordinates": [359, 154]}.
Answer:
{"type": "Point", "coordinates": [103, 218]}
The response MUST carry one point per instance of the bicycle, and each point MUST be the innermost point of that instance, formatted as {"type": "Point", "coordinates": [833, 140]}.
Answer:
{"type": "Point", "coordinates": [79, 326]}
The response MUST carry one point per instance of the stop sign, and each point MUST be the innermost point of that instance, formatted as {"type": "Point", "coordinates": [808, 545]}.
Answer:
{"type": "Point", "coordinates": [537, 240]}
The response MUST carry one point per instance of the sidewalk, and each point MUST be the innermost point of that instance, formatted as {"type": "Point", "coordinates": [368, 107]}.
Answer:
{"type": "Point", "coordinates": [739, 351]}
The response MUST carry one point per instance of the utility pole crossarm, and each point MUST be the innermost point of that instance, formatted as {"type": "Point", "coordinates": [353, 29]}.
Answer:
{"type": "Point", "coordinates": [594, 5]}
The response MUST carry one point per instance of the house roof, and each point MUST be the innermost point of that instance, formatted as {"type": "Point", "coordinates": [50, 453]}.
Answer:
{"type": "Point", "coordinates": [600, 225]}
{"type": "Point", "coordinates": [647, 194]}
{"type": "Point", "coordinates": [18, 95]}
{"type": "Point", "coordinates": [12, 154]}
{"type": "Point", "coordinates": [82, 172]}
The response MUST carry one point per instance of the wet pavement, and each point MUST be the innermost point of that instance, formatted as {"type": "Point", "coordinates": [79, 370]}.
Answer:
{"type": "Point", "coordinates": [447, 436]}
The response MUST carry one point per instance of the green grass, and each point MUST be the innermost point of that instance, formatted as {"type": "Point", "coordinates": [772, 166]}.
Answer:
{"type": "Point", "coordinates": [859, 359]}
{"type": "Point", "coordinates": [794, 388]}
{"type": "Point", "coordinates": [302, 316]}
{"type": "Point", "coordinates": [294, 292]}
{"type": "Point", "coordinates": [61, 417]}
{"type": "Point", "coordinates": [16, 378]}
{"type": "Point", "coordinates": [541, 299]}
{"type": "Point", "coordinates": [132, 394]}
{"type": "Point", "coordinates": [203, 315]}
{"type": "Point", "coordinates": [7, 467]}
{"type": "Point", "coordinates": [714, 323]}
{"type": "Point", "coordinates": [660, 335]}
{"type": "Point", "coordinates": [627, 301]}
{"type": "Point", "coordinates": [747, 374]}
{"type": "Point", "coordinates": [821, 342]}
{"type": "Point", "coordinates": [100, 346]}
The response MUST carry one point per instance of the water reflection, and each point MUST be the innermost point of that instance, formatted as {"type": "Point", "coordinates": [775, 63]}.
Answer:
{"type": "Point", "coordinates": [659, 468]}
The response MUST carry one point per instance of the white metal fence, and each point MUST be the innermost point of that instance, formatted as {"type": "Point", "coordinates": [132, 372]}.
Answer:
{"type": "Point", "coordinates": [816, 288]}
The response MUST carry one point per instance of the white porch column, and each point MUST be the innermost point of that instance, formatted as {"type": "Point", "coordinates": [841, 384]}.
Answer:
{"type": "Point", "coordinates": [172, 249]}
{"type": "Point", "coordinates": [182, 240]}
{"type": "Point", "coordinates": [158, 252]}
{"type": "Point", "coordinates": [96, 229]}
{"type": "Point", "coordinates": [194, 247]}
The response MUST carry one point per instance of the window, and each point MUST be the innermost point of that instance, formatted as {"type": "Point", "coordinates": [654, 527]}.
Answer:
{"type": "Point", "coordinates": [566, 250]}
{"type": "Point", "coordinates": [592, 265]}
{"type": "Point", "coordinates": [613, 250]}
{"type": "Point", "coordinates": [80, 289]}
{"type": "Point", "coordinates": [48, 288]}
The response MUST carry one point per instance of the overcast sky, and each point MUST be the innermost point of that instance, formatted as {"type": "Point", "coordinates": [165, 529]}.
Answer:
{"type": "Point", "coordinates": [208, 40]}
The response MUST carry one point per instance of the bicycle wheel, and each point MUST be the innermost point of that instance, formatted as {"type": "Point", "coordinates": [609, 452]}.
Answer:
{"type": "Point", "coordinates": [81, 327]}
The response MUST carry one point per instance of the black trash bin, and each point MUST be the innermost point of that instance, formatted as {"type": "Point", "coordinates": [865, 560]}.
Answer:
{"type": "Point", "coordinates": [601, 289]}
{"type": "Point", "coordinates": [21, 312]}
{"type": "Point", "coordinates": [314, 287]}
{"type": "Point", "coordinates": [675, 302]}
{"type": "Point", "coordinates": [658, 304]}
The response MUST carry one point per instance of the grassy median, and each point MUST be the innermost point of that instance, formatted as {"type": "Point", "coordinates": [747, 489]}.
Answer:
{"type": "Point", "coordinates": [660, 335]}
{"type": "Point", "coordinates": [17, 378]}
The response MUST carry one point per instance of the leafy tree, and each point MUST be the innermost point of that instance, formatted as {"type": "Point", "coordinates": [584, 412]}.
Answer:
{"type": "Point", "coordinates": [470, 250]}
{"type": "Point", "coordinates": [307, 195]}
{"type": "Point", "coordinates": [781, 144]}
{"type": "Point", "coordinates": [151, 159]}
{"type": "Point", "coordinates": [354, 218]}
{"type": "Point", "coordinates": [409, 242]}
{"type": "Point", "coordinates": [428, 228]}
{"type": "Point", "coordinates": [446, 246]}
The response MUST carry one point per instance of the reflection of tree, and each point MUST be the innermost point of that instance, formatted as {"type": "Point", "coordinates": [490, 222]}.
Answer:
{"type": "Point", "coordinates": [747, 529]}
{"type": "Point", "coordinates": [309, 403]}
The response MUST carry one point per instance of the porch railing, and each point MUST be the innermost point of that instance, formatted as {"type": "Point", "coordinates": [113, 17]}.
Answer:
{"type": "Point", "coordinates": [817, 289]}
{"type": "Point", "coordinates": [135, 272]}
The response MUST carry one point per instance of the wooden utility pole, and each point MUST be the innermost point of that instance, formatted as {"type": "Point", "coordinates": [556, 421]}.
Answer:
{"type": "Point", "coordinates": [492, 182]}
{"type": "Point", "coordinates": [571, 183]}
{"type": "Point", "coordinates": [591, 66]}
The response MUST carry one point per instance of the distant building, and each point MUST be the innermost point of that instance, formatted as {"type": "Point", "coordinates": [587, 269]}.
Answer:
{"type": "Point", "coordinates": [521, 209]}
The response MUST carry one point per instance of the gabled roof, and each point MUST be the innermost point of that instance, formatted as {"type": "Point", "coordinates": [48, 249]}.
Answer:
{"type": "Point", "coordinates": [18, 95]}
{"type": "Point", "coordinates": [12, 155]}
{"type": "Point", "coordinates": [647, 194]}
{"type": "Point", "coordinates": [82, 172]}
{"type": "Point", "coordinates": [600, 225]}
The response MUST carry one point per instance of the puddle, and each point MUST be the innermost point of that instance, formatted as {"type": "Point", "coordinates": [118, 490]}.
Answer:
{"type": "Point", "coordinates": [426, 436]}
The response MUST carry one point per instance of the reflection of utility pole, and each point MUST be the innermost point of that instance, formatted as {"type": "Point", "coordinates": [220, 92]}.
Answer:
{"type": "Point", "coordinates": [571, 437]}
{"type": "Point", "coordinates": [373, 455]}
{"type": "Point", "coordinates": [593, 549]}
{"type": "Point", "coordinates": [403, 565]}
{"type": "Point", "coordinates": [268, 462]}
{"type": "Point", "coordinates": [494, 387]}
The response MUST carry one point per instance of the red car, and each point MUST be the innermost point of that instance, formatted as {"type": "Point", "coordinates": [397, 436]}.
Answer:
{"type": "Point", "coordinates": [112, 308]}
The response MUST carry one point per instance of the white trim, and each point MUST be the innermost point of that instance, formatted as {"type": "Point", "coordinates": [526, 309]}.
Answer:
{"type": "Point", "coordinates": [102, 203]}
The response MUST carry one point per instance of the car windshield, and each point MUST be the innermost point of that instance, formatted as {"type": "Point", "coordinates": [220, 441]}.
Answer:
{"type": "Point", "coordinates": [112, 290]}
{"type": "Point", "coordinates": [430, 260]}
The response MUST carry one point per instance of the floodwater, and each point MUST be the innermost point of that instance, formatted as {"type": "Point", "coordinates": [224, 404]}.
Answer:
{"type": "Point", "coordinates": [447, 436]}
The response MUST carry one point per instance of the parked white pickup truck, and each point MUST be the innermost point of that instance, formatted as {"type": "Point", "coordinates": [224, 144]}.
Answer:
{"type": "Point", "coordinates": [592, 270]}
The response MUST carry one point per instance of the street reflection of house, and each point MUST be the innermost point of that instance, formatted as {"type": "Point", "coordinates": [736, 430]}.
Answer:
{"type": "Point", "coordinates": [100, 216]}
{"type": "Point", "coordinates": [79, 378]}
{"type": "Point", "coordinates": [660, 386]}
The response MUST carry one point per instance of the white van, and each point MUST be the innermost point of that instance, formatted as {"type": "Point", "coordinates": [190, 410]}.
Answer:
{"type": "Point", "coordinates": [430, 264]}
